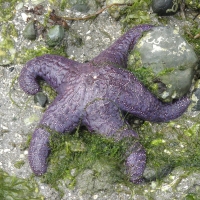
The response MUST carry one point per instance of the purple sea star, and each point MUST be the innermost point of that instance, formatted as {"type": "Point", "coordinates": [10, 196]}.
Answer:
{"type": "Point", "coordinates": [93, 94]}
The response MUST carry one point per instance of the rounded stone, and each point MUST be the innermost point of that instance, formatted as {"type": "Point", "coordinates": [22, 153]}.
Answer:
{"type": "Point", "coordinates": [11, 69]}
{"type": "Point", "coordinates": [165, 7]}
{"type": "Point", "coordinates": [40, 98]}
{"type": "Point", "coordinates": [168, 61]}
{"type": "Point", "coordinates": [29, 31]}
{"type": "Point", "coordinates": [55, 35]}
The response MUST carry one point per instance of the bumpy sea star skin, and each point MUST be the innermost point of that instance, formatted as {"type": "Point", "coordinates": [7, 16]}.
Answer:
{"type": "Point", "coordinates": [93, 94]}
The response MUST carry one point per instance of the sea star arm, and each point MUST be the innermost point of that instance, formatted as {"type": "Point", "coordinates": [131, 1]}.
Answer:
{"type": "Point", "coordinates": [135, 162]}
{"type": "Point", "coordinates": [146, 106]}
{"type": "Point", "coordinates": [52, 68]}
{"type": "Point", "coordinates": [131, 96]}
{"type": "Point", "coordinates": [104, 117]}
{"type": "Point", "coordinates": [59, 117]}
{"type": "Point", "coordinates": [117, 54]}
{"type": "Point", "coordinates": [39, 151]}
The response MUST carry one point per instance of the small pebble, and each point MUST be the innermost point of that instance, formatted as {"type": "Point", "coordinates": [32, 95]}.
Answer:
{"type": "Point", "coordinates": [40, 98]}
{"type": "Point", "coordinates": [29, 31]}
{"type": "Point", "coordinates": [11, 69]}
{"type": "Point", "coordinates": [25, 16]}
{"type": "Point", "coordinates": [55, 35]}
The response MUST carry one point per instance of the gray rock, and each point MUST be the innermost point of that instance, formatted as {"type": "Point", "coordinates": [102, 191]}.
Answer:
{"type": "Point", "coordinates": [40, 98]}
{"type": "Point", "coordinates": [98, 178]}
{"type": "Point", "coordinates": [168, 61]}
{"type": "Point", "coordinates": [55, 35]}
{"type": "Point", "coordinates": [29, 31]}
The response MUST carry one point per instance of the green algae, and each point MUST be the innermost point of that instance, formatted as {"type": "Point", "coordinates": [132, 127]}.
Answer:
{"type": "Point", "coordinates": [150, 79]}
{"type": "Point", "coordinates": [9, 30]}
{"type": "Point", "coordinates": [7, 10]}
{"type": "Point", "coordinates": [73, 154]}
{"type": "Point", "coordinates": [28, 54]}
{"type": "Point", "coordinates": [172, 159]}
{"type": "Point", "coordinates": [64, 4]}
{"type": "Point", "coordinates": [172, 144]}
{"type": "Point", "coordinates": [13, 188]}
{"type": "Point", "coordinates": [147, 77]}
{"type": "Point", "coordinates": [191, 196]}
{"type": "Point", "coordinates": [194, 4]}
{"type": "Point", "coordinates": [144, 74]}
{"type": "Point", "coordinates": [7, 44]}
{"type": "Point", "coordinates": [190, 33]}
{"type": "Point", "coordinates": [49, 91]}
{"type": "Point", "coordinates": [137, 13]}
{"type": "Point", "coordinates": [19, 164]}
{"type": "Point", "coordinates": [175, 6]}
